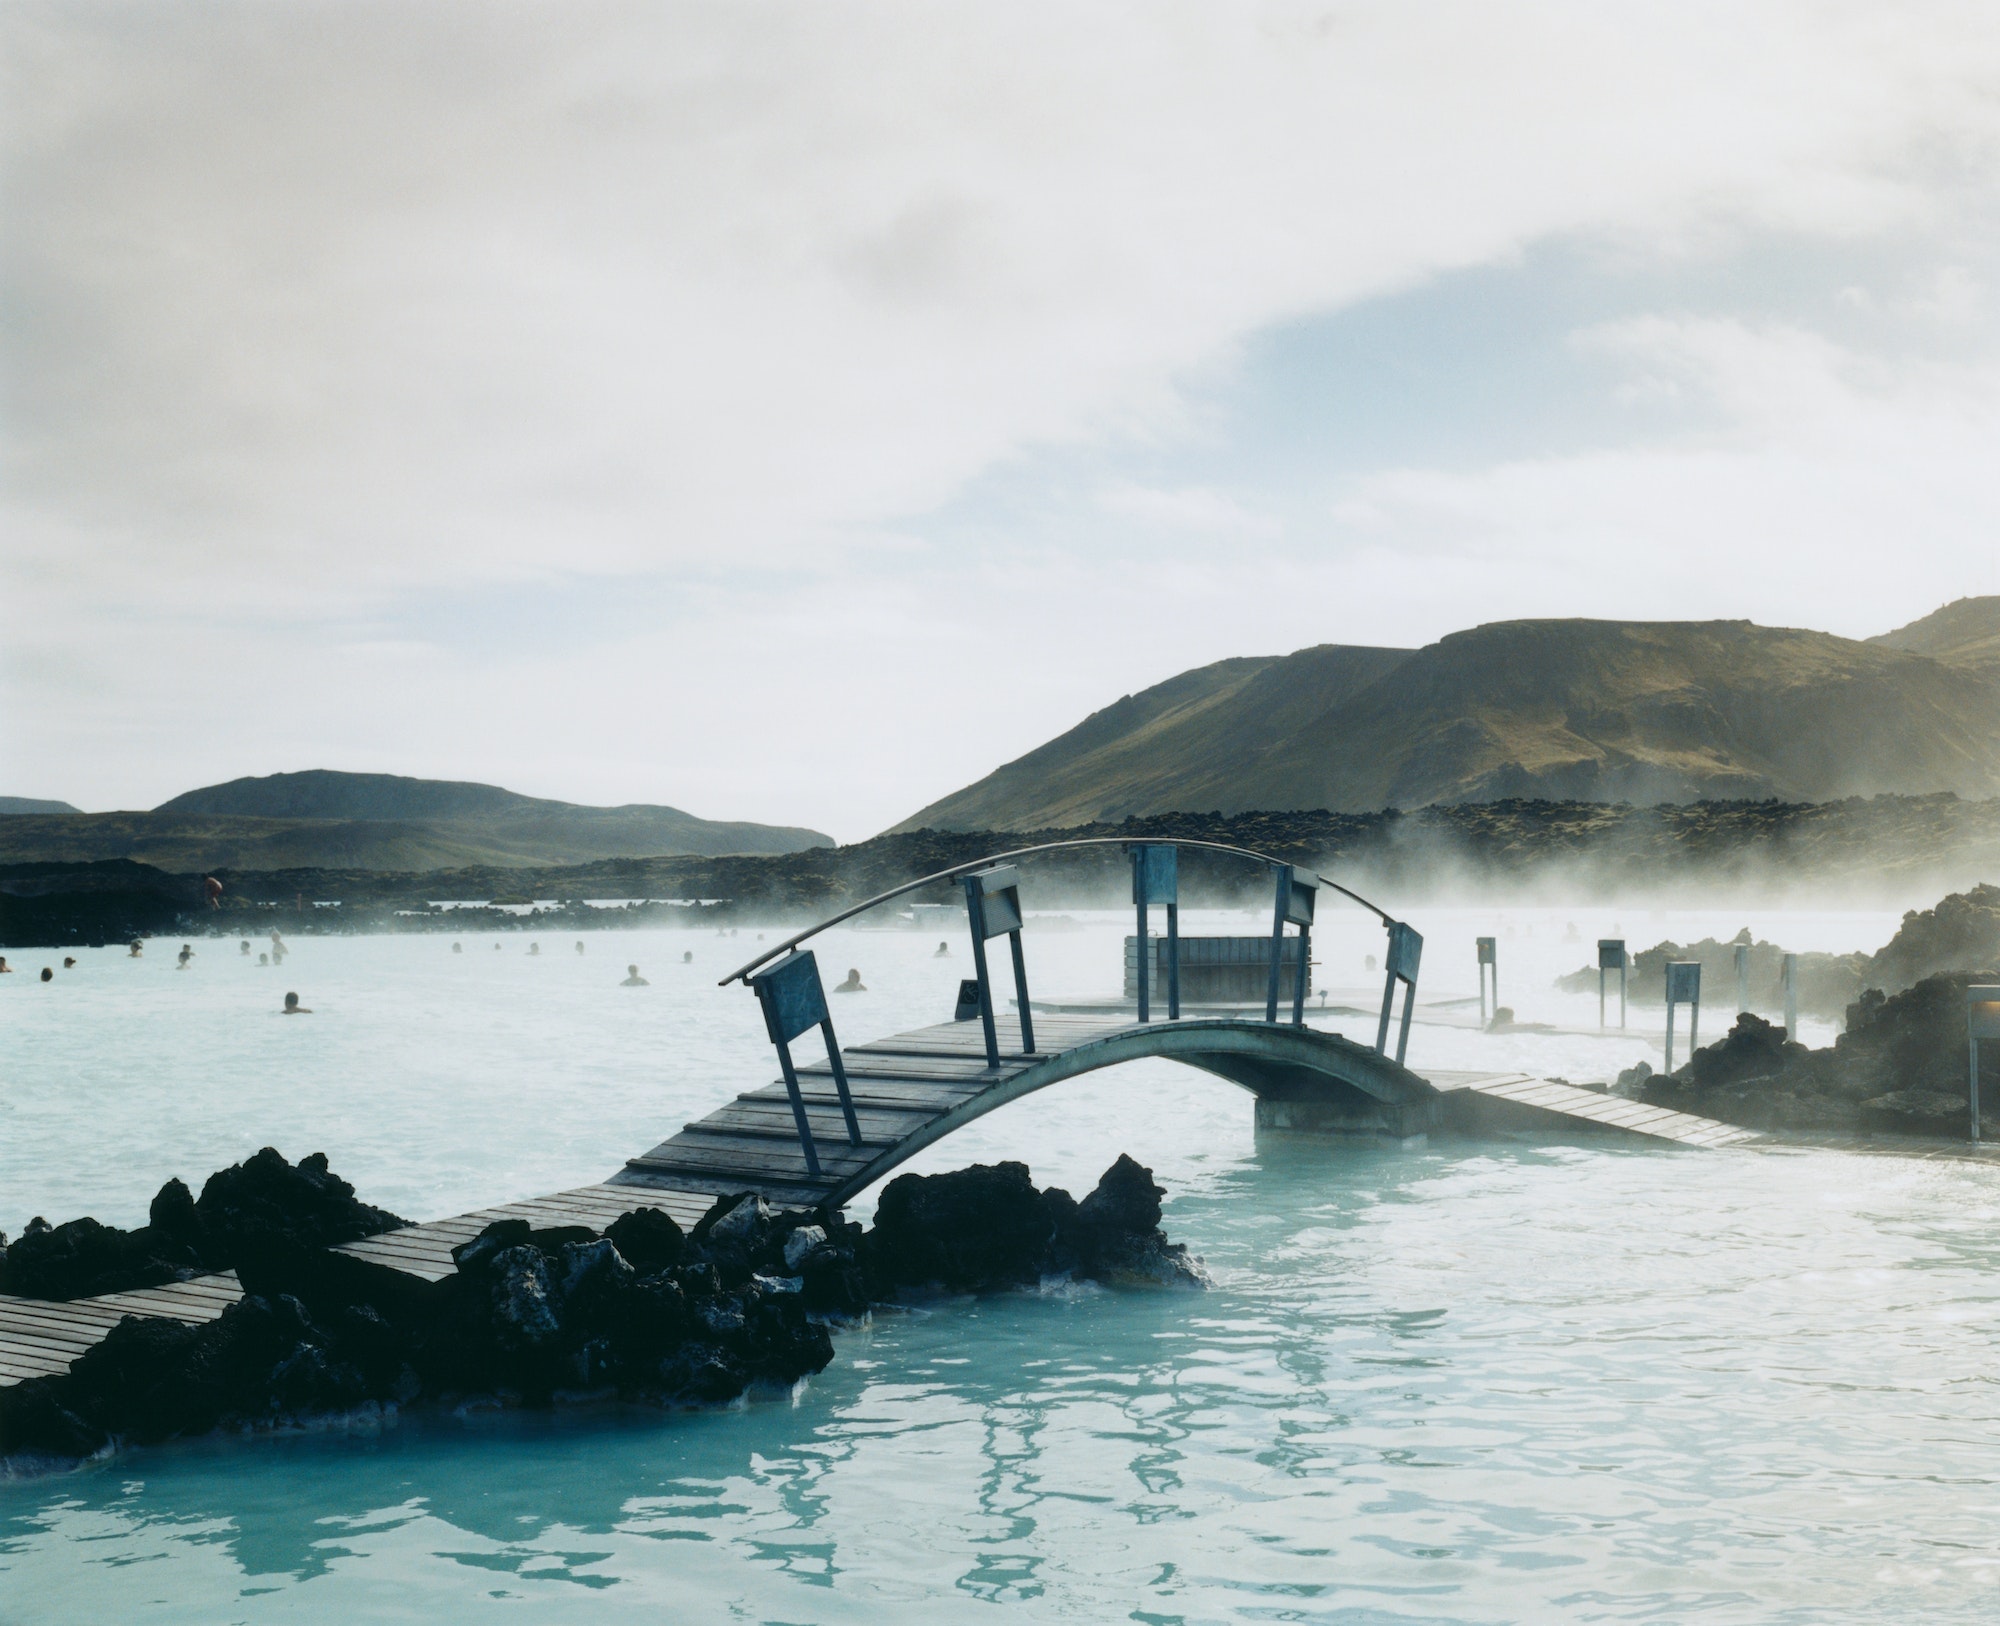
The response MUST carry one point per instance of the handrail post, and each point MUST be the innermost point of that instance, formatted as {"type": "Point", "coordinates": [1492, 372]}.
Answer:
{"type": "Point", "coordinates": [1156, 879]}
{"type": "Point", "coordinates": [1021, 993]}
{"type": "Point", "coordinates": [993, 906]}
{"type": "Point", "coordinates": [1140, 896]}
{"type": "Point", "coordinates": [1284, 873]}
{"type": "Point", "coordinates": [1294, 904]}
{"type": "Point", "coordinates": [1405, 956]}
{"type": "Point", "coordinates": [975, 914]}
{"type": "Point", "coordinates": [793, 1001]}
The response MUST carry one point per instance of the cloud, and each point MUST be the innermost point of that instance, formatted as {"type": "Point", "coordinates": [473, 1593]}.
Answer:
{"type": "Point", "coordinates": [315, 311]}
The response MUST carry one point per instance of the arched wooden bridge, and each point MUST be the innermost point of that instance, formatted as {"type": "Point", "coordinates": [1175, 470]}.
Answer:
{"type": "Point", "coordinates": [825, 1132]}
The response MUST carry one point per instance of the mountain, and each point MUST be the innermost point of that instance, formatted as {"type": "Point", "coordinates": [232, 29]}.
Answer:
{"type": "Point", "coordinates": [28, 804]}
{"type": "Point", "coordinates": [1584, 710]}
{"type": "Point", "coordinates": [380, 822]}
{"type": "Point", "coordinates": [1965, 632]}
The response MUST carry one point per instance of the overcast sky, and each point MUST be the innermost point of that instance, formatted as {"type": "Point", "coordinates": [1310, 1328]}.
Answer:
{"type": "Point", "coordinates": [790, 412]}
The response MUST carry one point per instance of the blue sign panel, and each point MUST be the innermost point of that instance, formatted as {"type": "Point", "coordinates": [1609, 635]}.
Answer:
{"type": "Point", "coordinates": [791, 995]}
{"type": "Point", "coordinates": [1000, 898]}
{"type": "Point", "coordinates": [1487, 950]}
{"type": "Point", "coordinates": [1156, 875]}
{"type": "Point", "coordinates": [1611, 954]}
{"type": "Point", "coordinates": [1683, 982]}
{"type": "Point", "coordinates": [1406, 951]}
{"type": "Point", "coordinates": [1298, 905]}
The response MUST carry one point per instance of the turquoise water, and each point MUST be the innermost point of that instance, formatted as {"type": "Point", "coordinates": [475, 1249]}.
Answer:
{"type": "Point", "coordinates": [1478, 1382]}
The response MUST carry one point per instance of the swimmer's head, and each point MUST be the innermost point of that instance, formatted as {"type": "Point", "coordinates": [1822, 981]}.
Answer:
{"type": "Point", "coordinates": [48, 975]}
{"type": "Point", "coordinates": [68, 961]}
{"type": "Point", "coordinates": [631, 971]}
{"type": "Point", "coordinates": [291, 1002]}
{"type": "Point", "coordinates": [458, 948]}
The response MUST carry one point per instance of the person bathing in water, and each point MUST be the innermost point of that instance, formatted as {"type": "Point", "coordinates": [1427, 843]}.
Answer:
{"type": "Point", "coordinates": [294, 1008]}
{"type": "Point", "coordinates": [5, 968]}
{"type": "Point", "coordinates": [138, 948]}
{"type": "Point", "coordinates": [186, 954]}
{"type": "Point", "coordinates": [943, 953]}
{"type": "Point", "coordinates": [633, 979]}
{"type": "Point", "coordinates": [853, 985]}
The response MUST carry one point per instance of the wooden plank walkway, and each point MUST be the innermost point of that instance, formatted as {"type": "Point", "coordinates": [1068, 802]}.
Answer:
{"type": "Point", "coordinates": [39, 1339]}
{"type": "Point", "coordinates": [1557, 1102]}
{"type": "Point", "coordinates": [901, 1086]}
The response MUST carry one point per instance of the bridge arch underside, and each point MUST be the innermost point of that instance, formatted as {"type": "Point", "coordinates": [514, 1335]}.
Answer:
{"type": "Point", "coordinates": [1303, 1079]}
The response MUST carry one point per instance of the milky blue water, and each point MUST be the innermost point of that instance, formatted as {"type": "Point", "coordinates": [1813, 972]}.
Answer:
{"type": "Point", "coordinates": [1479, 1382]}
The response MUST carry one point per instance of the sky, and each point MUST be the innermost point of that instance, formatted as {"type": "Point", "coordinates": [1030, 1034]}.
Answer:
{"type": "Point", "coordinates": [793, 411]}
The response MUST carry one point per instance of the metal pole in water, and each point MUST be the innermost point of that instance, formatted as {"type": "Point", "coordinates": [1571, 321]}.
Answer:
{"type": "Point", "coordinates": [1742, 978]}
{"type": "Point", "coordinates": [1982, 1021]}
{"type": "Point", "coordinates": [1791, 996]}
{"type": "Point", "coordinates": [1669, 1067]}
{"type": "Point", "coordinates": [1173, 962]}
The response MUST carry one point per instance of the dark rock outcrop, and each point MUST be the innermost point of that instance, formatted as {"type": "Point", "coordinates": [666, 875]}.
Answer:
{"type": "Point", "coordinates": [642, 1310]}
{"type": "Point", "coordinates": [987, 1227]}
{"type": "Point", "coordinates": [251, 1209]}
{"type": "Point", "coordinates": [1900, 1068]}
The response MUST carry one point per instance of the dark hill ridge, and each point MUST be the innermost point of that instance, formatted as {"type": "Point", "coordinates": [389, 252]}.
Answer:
{"type": "Point", "coordinates": [382, 822]}
{"type": "Point", "coordinates": [13, 805]}
{"type": "Point", "coordinates": [1563, 710]}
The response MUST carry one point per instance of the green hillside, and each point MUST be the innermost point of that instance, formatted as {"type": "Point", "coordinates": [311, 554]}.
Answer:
{"type": "Point", "coordinates": [324, 819]}
{"type": "Point", "coordinates": [1564, 710]}
{"type": "Point", "coordinates": [1966, 632]}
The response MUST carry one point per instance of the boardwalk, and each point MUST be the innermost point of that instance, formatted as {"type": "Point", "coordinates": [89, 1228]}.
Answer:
{"type": "Point", "coordinates": [888, 1099]}
{"type": "Point", "coordinates": [908, 1091]}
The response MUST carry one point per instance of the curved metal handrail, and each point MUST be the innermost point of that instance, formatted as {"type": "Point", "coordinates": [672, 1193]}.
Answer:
{"type": "Point", "coordinates": [967, 868]}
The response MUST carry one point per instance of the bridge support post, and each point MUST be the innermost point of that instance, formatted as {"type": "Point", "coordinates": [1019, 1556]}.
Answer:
{"type": "Point", "coordinates": [993, 909]}
{"type": "Point", "coordinates": [1294, 904]}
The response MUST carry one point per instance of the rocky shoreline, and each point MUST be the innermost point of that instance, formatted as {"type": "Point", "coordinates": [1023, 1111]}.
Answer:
{"type": "Point", "coordinates": [640, 1311]}
{"type": "Point", "coordinates": [1900, 1068]}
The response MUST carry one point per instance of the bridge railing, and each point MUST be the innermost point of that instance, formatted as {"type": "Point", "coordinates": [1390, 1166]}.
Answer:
{"type": "Point", "coordinates": [992, 890]}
